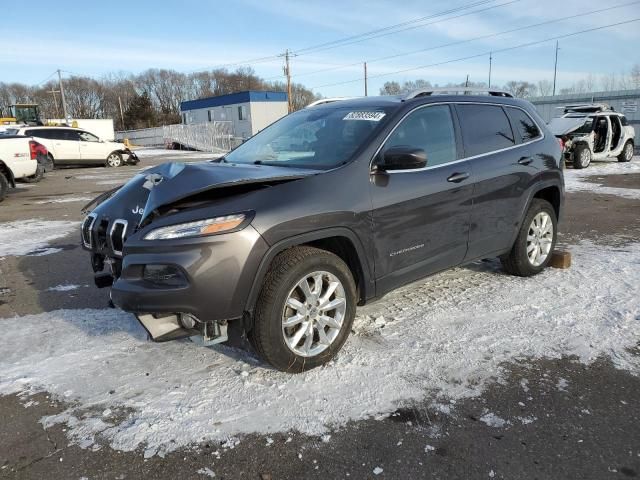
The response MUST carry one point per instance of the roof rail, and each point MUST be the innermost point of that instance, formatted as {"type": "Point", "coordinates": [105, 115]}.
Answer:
{"type": "Point", "coordinates": [327, 100]}
{"type": "Point", "coordinates": [425, 92]}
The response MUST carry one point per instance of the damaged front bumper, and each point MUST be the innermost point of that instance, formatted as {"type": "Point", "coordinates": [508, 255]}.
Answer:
{"type": "Point", "coordinates": [176, 288]}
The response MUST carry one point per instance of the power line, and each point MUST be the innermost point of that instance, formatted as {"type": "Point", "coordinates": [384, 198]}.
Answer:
{"type": "Point", "coordinates": [379, 32]}
{"type": "Point", "coordinates": [460, 42]}
{"type": "Point", "coordinates": [359, 37]}
{"type": "Point", "coordinates": [51, 75]}
{"type": "Point", "coordinates": [483, 54]}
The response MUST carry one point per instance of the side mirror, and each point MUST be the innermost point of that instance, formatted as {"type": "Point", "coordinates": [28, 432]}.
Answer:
{"type": "Point", "coordinates": [402, 157]}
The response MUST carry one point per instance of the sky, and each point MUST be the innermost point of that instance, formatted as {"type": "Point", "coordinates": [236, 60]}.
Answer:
{"type": "Point", "coordinates": [98, 38]}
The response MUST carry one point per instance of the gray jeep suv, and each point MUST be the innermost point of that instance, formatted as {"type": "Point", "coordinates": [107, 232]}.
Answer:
{"type": "Point", "coordinates": [329, 208]}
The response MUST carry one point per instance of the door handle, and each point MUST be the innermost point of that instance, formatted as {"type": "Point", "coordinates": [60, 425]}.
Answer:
{"type": "Point", "coordinates": [458, 177]}
{"type": "Point", "coordinates": [525, 160]}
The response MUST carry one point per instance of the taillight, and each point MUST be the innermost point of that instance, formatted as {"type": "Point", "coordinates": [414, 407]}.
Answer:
{"type": "Point", "coordinates": [33, 149]}
{"type": "Point", "coordinates": [561, 142]}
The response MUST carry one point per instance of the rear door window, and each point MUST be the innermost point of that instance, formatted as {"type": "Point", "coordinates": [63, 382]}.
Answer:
{"type": "Point", "coordinates": [523, 124]}
{"type": "Point", "coordinates": [428, 128]}
{"type": "Point", "coordinates": [485, 128]}
{"type": "Point", "coordinates": [72, 135]}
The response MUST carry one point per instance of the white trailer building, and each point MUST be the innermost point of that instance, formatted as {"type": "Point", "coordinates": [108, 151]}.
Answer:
{"type": "Point", "coordinates": [250, 111]}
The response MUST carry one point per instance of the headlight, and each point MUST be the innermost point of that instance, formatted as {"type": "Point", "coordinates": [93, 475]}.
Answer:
{"type": "Point", "coordinates": [209, 226]}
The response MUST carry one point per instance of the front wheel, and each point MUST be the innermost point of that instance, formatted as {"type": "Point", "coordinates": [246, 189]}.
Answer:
{"type": "Point", "coordinates": [581, 156]}
{"type": "Point", "coordinates": [305, 310]}
{"type": "Point", "coordinates": [531, 252]}
{"type": "Point", "coordinates": [114, 160]}
{"type": "Point", "coordinates": [627, 152]}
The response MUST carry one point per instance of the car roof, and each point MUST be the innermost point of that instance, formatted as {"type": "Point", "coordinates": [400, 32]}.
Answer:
{"type": "Point", "coordinates": [57, 127]}
{"type": "Point", "coordinates": [401, 100]}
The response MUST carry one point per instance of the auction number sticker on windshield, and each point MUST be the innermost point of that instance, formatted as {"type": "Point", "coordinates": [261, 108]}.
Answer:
{"type": "Point", "coordinates": [369, 116]}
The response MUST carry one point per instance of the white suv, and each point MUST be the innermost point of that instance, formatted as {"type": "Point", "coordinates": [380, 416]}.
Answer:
{"type": "Point", "coordinates": [69, 145]}
{"type": "Point", "coordinates": [593, 132]}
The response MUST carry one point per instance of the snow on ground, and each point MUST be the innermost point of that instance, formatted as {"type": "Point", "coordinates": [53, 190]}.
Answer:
{"type": "Point", "coordinates": [26, 236]}
{"type": "Point", "coordinates": [63, 200]}
{"type": "Point", "coordinates": [575, 179]}
{"type": "Point", "coordinates": [64, 288]}
{"type": "Point", "coordinates": [179, 154]}
{"type": "Point", "coordinates": [443, 338]}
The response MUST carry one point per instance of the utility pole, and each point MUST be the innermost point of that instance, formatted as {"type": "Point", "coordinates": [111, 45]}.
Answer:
{"type": "Point", "coordinates": [287, 72]}
{"type": "Point", "coordinates": [64, 102]}
{"type": "Point", "coordinates": [55, 100]}
{"type": "Point", "coordinates": [466, 83]}
{"type": "Point", "coordinates": [490, 60]}
{"type": "Point", "coordinates": [365, 79]}
{"type": "Point", "coordinates": [121, 113]}
{"type": "Point", "coordinates": [555, 71]}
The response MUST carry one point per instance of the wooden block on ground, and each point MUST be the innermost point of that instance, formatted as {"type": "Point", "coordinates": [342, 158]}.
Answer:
{"type": "Point", "coordinates": [560, 259]}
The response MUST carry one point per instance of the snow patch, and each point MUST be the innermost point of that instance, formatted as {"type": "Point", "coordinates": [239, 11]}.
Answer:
{"type": "Point", "coordinates": [206, 471]}
{"type": "Point", "coordinates": [23, 237]}
{"type": "Point", "coordinates": [62, 200]}
{"type": "Point", "coordinates": [575, 180]}
{"type": "Point", "coordinates": [63, 288]}
{"type": "Point", "coordinates": [444, 338]}
{"type": "Point", "coordinates": [492, 420]}
{"type": "Point", "coordinates": [562, 384]}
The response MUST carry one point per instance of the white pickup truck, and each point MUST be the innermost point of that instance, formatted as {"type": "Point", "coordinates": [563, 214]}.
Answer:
{"type": "Point", "coordinates": [20, 158]}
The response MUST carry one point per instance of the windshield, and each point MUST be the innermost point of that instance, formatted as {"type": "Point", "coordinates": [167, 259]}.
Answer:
{"type": "Point", "coordinates": [320, 138]}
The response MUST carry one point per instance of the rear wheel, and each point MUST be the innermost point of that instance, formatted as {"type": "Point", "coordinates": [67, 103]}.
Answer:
{"type": "Point", "coordinates": [581, 156]}
{"type": "Point", "coordinates": [114, 160]}
{"type": "Point", "coordinates": [531, 252]}
{"type": "Point", "coordinates": [4, 186]}
{"type": "Point", "coordinates": [35, 178]}
{"type": "Point", "coordinates": [305, 310]}
{"type": "Point", "coordinates": [49, 164]}
{"type": "Point", "coordinates": [627, 152]}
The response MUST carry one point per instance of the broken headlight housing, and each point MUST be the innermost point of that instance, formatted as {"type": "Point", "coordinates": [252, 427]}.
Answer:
{"type": "Point", "coordinates": [200, 228]}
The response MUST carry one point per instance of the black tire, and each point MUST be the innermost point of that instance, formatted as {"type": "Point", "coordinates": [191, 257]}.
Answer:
{"type": "Point", "coordinates": [114, 159]}
{"type": "Point", "coordinates": [4, 186]}
{"type": "Point", "coordinates": [627, 152]}
{"type": "Point", "coordinates": [35, 178]}
{"type": "Point", "coordinates": [285, 272]}
{"type": "Point", "coordinates": [580, 154]}
{"type": "Point", "coordinates": [50, 164]}
{"type": "Point", "coordinates": [517, 262]}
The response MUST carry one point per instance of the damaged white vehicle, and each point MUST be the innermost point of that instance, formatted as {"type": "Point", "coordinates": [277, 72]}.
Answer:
{"type": "Point", "coordinates": [593, 132]}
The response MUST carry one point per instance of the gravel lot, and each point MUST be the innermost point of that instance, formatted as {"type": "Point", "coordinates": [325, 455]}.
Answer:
{"type": "Point", "coordinates": [445, 378]}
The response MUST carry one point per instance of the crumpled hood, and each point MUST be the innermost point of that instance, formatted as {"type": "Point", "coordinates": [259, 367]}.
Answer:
{"type": "Point", "coordinates": [564, 125]}
{"type": "Point", "coordinates": [170, 182]}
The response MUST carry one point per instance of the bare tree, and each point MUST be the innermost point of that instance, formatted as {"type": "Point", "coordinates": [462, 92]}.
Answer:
{"type": "Point", "coordinates": [545, 88]}
{"type": "Point", "coordinates": [521, 89]}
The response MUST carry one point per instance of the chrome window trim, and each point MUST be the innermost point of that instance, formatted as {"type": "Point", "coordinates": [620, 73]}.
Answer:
{"type": "Point", "coordinates": [93, 216]}
{"type": "Point", "coordinates": [413, 170]}
{"type": "Point", "coordinates": [124, 224]}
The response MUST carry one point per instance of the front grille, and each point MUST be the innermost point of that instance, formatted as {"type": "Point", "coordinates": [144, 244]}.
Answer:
{"type": "Point", "coordinates": [117, 236]}
{"type": "Point", "coordinates": [87, 226]}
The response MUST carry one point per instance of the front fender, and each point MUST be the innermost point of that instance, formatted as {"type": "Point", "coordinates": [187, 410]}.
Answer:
{"type": "Point", "coordinates": [367, 283]}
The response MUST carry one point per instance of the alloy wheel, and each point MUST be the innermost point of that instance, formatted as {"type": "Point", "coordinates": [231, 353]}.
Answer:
{"type": "Point", "coordinates": [313, 313]}
{"type": "Point", "coordinates": [585, 157]}
{"type": "Point", "coordinates": [114, 160]}
{"type": "Point", "coordinates": [539, 239]}
{"type": "Point", "coordinates": [628, 152]}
